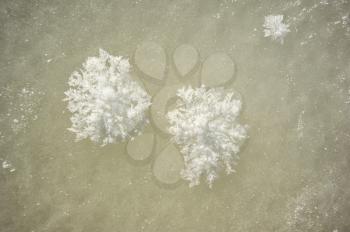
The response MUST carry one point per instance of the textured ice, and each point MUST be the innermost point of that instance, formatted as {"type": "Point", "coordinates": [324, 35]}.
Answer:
{"type": "Point", "coordinates": [22, 106]}
{"type": "Point", "coordinates": [205, 125]}
{"type": "Point", "coordinates": [275, 28]}
{"type": "Point", "coordinates": [107, 105]}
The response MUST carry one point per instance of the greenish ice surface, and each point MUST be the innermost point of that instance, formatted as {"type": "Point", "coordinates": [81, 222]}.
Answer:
{"type": "Point", "coordinates": [294, 168]}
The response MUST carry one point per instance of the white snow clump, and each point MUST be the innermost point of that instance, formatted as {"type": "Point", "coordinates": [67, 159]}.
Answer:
{"type": "Point", "coordinates": [274, 27]}
{"type": "Point", "coordinates": [107, 105]}
{"type": "Point", "coordinates": [205, 126]}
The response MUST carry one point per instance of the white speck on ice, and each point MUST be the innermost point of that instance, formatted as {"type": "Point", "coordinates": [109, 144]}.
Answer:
{"type": "Point", "coordinates": [8, 165]}
{"type": "Point", "coordinates": [300, 126]}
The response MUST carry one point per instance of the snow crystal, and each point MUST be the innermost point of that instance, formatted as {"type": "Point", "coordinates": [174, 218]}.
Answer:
{"type": "Point", "coordinates": [205, 126]}
{"type": "Point", "coordinates": [107, 105]}
{"type": "Point", "coordinates": [275, 28]}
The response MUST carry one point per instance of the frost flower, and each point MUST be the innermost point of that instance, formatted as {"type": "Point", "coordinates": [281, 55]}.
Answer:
{"type": "Point", "coordinates": [107, 105]}
{"type": "Point", "coordinates": [205, 126]}
{"type": "Point", "coordinates": [275, 28]}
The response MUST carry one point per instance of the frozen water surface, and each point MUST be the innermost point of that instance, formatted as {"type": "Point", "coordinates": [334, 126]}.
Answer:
{"type": "Point", "coordinates": [293, 170]}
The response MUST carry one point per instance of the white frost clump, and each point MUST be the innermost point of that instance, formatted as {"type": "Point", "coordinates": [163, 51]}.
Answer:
{"type": "Point", "coordinates": [275, 28]}
{"type": "Point", "coordinates": [8, 165]}
{"type": "Point", "coordinates": [205, 125]}
{"type": "Point", "coordinates": [107, 105]}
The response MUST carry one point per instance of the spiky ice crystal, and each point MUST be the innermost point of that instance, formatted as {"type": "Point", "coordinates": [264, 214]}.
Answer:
{"type": "Point", "coordinates": [107, 105]}
{"type": "Point", "coordinates": [275, 28]}
{"type": "Point", "coordinates": [205, 126]}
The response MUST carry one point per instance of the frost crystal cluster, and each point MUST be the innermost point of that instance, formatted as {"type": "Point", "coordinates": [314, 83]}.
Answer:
{"type": "Point", "coordinates": [205, 126]}
{"type": "Point", "coordinates": [275, 28]}
{"type": "Point", "coordinates": [107, 105]}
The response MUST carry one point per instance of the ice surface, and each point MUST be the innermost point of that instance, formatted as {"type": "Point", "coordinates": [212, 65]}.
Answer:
{"type": "Point", "coordinates": [141, 147]}
{"type": "Point", "coordinates": [217, 70]}
{"type": "Point", "coordinates": [150, 58]}
{"type": "Point", "coordinates": [185, 59]}
{"type": "Point", "coordinates": [168, 165]}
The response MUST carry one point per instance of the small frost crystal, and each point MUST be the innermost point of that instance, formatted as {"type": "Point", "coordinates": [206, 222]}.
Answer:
{"type": "Point", "coordinates": [205, 126]}
{"type": "Point", "coordinates": [275, 28]}
{"type": "Point", "coordinates": [107, 105]}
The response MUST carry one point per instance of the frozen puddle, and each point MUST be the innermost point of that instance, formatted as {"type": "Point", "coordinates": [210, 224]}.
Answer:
{"type": "Point", "coordinates": [262, 146]}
